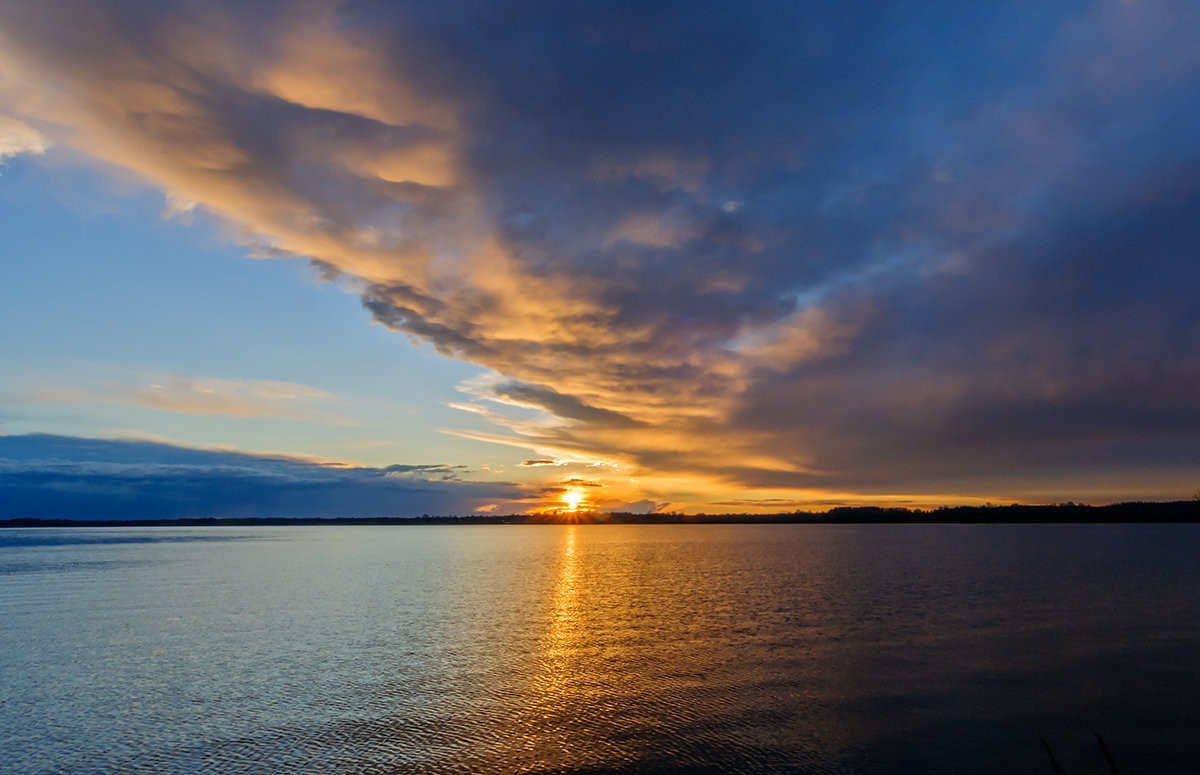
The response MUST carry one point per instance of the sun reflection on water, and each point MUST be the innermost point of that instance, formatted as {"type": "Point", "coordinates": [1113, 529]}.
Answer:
{"type": "Point", "coordinates": [556, 650]}
{"type": "Point", "coordinates": [560, 637]}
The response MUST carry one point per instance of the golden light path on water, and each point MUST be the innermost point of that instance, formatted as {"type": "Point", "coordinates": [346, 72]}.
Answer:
{"type": "Point", "coordinates": [551, 681]}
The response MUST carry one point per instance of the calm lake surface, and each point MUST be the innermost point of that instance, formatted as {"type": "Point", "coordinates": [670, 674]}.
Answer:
{"type": "Point", "coordinates": [600, 648]}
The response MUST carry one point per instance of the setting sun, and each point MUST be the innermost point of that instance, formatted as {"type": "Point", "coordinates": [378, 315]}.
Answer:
{"type": "Point", "coordinates": [573, 498]}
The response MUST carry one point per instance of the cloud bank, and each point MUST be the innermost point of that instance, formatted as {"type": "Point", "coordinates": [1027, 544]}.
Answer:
{"type": "Point", "coordinates": [894, 248]}
{"type": "Point", "coordinates": [62, 476]}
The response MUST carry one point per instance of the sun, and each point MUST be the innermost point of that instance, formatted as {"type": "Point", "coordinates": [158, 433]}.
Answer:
{"type": "Point", "coordinates": [573, 497]}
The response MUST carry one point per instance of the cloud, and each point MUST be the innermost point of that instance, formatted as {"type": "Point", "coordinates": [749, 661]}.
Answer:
{"type": "Point", "coordinates": [560, 405]}
{"type": "Point", "coordinates": [904, 249]}
{"type": "Point", "coordinates": [17, 138]}
{"type": "Point", "coordinates": [206, 396]}
{"type": "Point", "coordinates": [66, 477]}
{"type": "Point", "coordinates": [437, 472]}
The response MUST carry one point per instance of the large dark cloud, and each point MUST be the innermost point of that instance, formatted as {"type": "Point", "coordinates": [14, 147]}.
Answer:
{"type": "Point", "coordinates": [67, 477]}
{"type": "Point", "coordinates": [883, 247]}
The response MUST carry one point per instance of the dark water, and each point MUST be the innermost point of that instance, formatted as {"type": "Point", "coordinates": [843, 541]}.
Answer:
{"type": "Point", "coordinates": [824, 649]}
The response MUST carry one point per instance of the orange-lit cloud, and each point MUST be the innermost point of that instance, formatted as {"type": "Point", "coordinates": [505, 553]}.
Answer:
{"type": "Point", "coordinates": [17, 138]}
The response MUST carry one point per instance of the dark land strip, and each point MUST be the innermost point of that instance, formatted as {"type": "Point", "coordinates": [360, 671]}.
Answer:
{"type": "Point", "coordinates": [1137, 512]}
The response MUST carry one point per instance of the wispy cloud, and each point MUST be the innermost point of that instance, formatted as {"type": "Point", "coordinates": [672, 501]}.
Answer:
{"type": "Point", "coordinates": [17, 138]}
{"type": "Point", "coordinates": [205, 396]}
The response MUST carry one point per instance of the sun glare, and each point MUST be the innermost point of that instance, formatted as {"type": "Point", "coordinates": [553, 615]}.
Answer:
{"type": "Point", "coordinates": [573, 498]}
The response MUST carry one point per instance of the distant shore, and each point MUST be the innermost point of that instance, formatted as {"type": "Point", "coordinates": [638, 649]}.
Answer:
{"type": "Point", "coordinates": [1173, 511]}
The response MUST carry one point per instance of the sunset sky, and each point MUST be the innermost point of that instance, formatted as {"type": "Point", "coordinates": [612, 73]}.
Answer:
{"type": "Point", "coordinates": [351, 258]}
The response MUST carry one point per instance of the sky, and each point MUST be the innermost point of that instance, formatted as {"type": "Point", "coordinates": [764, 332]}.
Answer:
{"type": "Point", "coordinates": [365, 259]}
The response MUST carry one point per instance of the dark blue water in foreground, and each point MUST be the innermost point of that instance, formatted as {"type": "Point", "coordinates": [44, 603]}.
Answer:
{"type": "Point", "coordinates": [778, 648]}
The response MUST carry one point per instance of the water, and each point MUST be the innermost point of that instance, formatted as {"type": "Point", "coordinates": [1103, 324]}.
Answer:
{"type": "Point", "coordinates": [593, 648]}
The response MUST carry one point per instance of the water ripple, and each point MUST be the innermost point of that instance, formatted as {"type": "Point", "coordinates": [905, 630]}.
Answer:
{"type": "Point", "coordinates": [598, 649]}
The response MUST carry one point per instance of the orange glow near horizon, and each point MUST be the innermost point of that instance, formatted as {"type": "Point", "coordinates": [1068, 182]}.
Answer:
{"type": "Point", "coordinates": [576, 500]}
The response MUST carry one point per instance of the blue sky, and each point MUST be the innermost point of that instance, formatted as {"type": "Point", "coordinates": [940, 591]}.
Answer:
{"type": "Point", "coordinates": [622, 255]}
{"type": "Point", "coordinates": [104, 290]}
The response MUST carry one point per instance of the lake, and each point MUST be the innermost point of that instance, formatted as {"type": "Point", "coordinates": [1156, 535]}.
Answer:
{"type": "Point", "coordinates": [600, 648]}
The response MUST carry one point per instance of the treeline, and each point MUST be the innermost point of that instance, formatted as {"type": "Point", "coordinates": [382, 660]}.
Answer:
{"type": "Point", "coordinates": [1174, 511]}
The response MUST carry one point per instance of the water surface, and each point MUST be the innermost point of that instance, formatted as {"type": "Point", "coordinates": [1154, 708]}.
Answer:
{"type": "Point", "coordinates": [599, 648]}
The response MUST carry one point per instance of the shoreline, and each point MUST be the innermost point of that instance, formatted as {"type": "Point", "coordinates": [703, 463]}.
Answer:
{"type": "Point", "coordinates": [1117, 513]}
